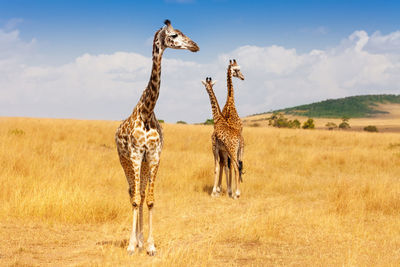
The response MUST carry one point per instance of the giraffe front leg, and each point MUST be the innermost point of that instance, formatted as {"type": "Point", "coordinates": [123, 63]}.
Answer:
{"type": "Point", "coordinates": [133, 175]}
{"type": "Point", "coordinates": [144, 177]}
{"type": "Point", "coordinates": [133, 241]}
{"type": "Point", "coordinates": [151, 249]}
{"type": "Point", "coordinates": [139, 228]}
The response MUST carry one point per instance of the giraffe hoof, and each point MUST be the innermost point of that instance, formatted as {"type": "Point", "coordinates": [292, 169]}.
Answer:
{"type": "Point", "coordinates": [151, 250]}
{"type": "Point", "coordinates": [151, 253]}
{"type": "Point", "coordinates": [140, 242]}
{"type": "Point", "coordinates": [215, 193]}
{"type": "Point", "coordinates": [131, 250]}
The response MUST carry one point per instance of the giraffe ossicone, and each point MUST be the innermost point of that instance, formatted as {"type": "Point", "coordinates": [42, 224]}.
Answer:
{"type": "Point", "coordinates": [139, 139]}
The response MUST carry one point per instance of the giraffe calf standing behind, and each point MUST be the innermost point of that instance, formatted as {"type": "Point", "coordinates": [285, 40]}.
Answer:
{"type": "Point", "coordinates": [227, 139]}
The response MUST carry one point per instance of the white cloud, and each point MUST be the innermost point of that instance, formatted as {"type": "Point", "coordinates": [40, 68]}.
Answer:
{"type": "Point", "coordinates": [379, 43]}
{"type": "Point", "coordinates": [12, 48]}
{"type": "Point", "coordinates": [108, 86]}
{"type": "Point", "coordinates": [281, 77]}
{"type": "Point", "coordinates": [13, 23]}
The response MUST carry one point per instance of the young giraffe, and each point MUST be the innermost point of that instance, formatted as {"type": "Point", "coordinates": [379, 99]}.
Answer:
{"type": "Point", "coordinates": [139, 138]}
{"type": "Point", "coordinates": [230, 114]}
{"type": "Point", "coordinates": [227, 139]}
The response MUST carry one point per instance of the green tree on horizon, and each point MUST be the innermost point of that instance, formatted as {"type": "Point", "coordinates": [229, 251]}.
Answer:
{"type": "Point", "coordinates": [351, 107]}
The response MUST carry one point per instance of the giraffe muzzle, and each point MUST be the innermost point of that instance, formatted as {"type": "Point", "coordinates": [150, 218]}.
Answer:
{"type": "Point", "coordinates": [193, 47]}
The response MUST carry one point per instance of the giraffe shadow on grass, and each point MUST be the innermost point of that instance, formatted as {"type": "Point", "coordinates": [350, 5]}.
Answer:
{"type": "Point", "coordinates": [208, 189]}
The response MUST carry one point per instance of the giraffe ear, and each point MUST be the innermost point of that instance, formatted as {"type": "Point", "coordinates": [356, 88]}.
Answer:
{"type": "Point", "coordinates": [168, 26]}
{"type": "Point", "coordinates": [213, 82]}
{"type": "Point", "coordinates": [203, 82]}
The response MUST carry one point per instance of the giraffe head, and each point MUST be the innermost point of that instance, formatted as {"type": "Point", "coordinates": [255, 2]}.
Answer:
{"type": "Point", "coordinates": [174, 38]}
{"type": "Point", "coordinates": [209, 83]}
{"type": "Point", "coordinates": [235, 69]}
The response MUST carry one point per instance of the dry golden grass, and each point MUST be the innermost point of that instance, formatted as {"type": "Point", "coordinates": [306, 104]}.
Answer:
{"type": "Point", "coordinates": [319, 198]}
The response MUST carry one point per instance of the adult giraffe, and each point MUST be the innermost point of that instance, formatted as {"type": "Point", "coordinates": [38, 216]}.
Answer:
{"type": "Point", "coordinates": [227, 142]}
{"type": "Point", "coordinates": [231, 116]}
{"type": "Point", "coordinates": [139, 139]}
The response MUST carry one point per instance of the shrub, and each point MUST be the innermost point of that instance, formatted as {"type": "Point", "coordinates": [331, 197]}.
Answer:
{"type": "Point", "coordinates": [279, 120]}
{"type": "Point", "coordinates": [161, 121]}
{"type": "Point", "coordinates": [309, 124]}
{"type": "Point", "coordinates": [371, 128]}
{"type": "Point", "coordinates": [256, 124]}
{"type": "Point", "coordinates": [344, 124]}
{"type": "Point", "coordinates": [181, 122]}
{"type": "Point", "coordinates": [209, 122]}
{"type": "Point", "coordinates": [17, 132]}
{"type": "Point", "coordinates": [331, 125]}
{"type": "Point", "coordinates": [295, 124]}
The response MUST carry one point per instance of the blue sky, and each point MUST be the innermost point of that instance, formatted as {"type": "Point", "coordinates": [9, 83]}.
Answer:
{"type": "Point", "coordinates": [77, 27]}
{"type": "Point", "coordinates": [49, 36]}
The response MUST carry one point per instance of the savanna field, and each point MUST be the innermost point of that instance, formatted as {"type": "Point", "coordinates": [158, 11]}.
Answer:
{"type": "Point", "coordinates": [309, 198]}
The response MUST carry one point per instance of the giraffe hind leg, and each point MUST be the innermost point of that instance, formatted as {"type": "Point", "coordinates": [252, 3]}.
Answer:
{"type": "Point", "coordinates": [228, 174]}
{"type": "Point", "coordinates": [144, 177]}
{"type": "Point", "coordinates": [240, 159]}
{"type": "Point", "coordinates": [215, 192]}
{"type": "Point", "coordinates": [237, 180]}
{"type": "Point", "coordinates": [222, 162]}
{"type": "Point", "coordinates": [217, 170]}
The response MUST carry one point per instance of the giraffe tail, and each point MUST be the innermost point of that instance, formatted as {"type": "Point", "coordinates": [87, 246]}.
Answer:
{"type": "Point", "coordinates": [240, 171]}
{"type": "Point", "coordinates": [240, 167]}
{"type": "Point", "coordinates": [237, 162]}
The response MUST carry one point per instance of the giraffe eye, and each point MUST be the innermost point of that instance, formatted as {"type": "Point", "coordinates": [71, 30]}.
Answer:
{"type": "Point", "coordinates": [174, 36]}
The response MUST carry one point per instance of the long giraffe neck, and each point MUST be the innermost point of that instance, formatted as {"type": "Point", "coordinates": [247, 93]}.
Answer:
{"type": "Point", "coordinates": [149, 97]}
{"type": "Point", "coordinates": [217, 115]}
{"type": "Point", "coordinates": [229, 107]}
{"type": "Point", "coordinates": [230, 96]}
{"type": "Point", "coordinates": [229, 110]}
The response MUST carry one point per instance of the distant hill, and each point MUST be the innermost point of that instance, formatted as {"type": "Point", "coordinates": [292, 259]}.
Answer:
{"type": "Point", "coordinates": [352, 107]}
